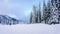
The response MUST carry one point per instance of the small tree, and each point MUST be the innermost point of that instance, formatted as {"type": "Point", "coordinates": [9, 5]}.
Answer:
{"type": "Point", "coordinates": [31, 17]}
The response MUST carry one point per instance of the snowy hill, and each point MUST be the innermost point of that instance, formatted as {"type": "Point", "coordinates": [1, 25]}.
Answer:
{"type": "Point", "coordinates": [30, 29]}
{"type": "Point", "coordinates": [5, 19]}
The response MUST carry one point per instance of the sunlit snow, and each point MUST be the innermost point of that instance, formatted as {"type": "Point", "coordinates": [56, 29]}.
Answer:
{"type": "Point", "coordinates": [30, 29]}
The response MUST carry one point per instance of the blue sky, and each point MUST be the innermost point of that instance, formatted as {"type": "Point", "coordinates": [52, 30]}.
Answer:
{"type": "Point", "coordinates": [18, 8]}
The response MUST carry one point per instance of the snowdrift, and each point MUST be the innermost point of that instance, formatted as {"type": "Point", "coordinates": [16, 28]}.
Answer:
{"type": "Point", "coordinates": [30, 29]}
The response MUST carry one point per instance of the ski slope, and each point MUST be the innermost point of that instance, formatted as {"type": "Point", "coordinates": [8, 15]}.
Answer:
{"type": "Point", "coordinates": [30, 29]}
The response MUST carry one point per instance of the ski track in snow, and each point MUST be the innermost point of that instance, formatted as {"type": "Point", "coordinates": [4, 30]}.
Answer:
{"type": "Point", "coordinates": [30, 29]}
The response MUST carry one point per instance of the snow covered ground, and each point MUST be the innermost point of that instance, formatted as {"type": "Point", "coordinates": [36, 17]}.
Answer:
{"type": "Point", "coordinates": [30, 29]}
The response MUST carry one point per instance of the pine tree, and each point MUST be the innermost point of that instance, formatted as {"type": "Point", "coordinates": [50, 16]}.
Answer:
{"type": "Point", "coordinates": [54, 12]}
{"type": "Point", "coordinates": [44, 11]}
{"type": "Point", "coordinates": [37, 16]}
{"type": "Point", "coordinates": [31, 17]}
{"type": "Point", "coordinates": [34, 20]}
{"type": "Point", "coordinates": [39, 13]}
{"type": "Point", "coordinates": [48, 10]}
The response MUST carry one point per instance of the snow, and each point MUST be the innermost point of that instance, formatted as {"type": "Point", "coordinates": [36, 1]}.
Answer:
{"type": "Point", "coordinates": [30, 29]}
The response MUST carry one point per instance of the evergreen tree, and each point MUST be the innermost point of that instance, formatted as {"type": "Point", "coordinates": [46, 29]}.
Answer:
{"type": "Point", "coordinates": [39, 13]}
{"type": "Point", "coordinates": [44, 12]}
{"type": "Point", "coordinates": [54, 12]}
{"type": "Point", "coordinates": [37, 17]}
{"type": "Point", "coordinates": [31, 17]}
{"type": "Point", "coordinates": [34, 18]}
{"type": "Point", "coordinates": [48, 10]}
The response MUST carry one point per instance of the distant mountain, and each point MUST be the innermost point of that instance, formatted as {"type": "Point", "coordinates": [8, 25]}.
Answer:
{"type": "Point", "coordinates": [5, 19]}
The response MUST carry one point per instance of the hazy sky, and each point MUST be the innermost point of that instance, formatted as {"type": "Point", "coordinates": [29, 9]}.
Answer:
{"type": "Point", "coordinates": [18, 8]}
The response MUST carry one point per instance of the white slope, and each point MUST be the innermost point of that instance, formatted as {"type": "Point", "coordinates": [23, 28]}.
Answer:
{"type": "Point", "coordinates": [30, 29]}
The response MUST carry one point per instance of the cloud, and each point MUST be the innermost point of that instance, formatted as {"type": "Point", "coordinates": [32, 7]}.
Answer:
{"type": "Point", "coordinates": [5, 6]}
{"type": "Point", "coordinates": [13, 16]}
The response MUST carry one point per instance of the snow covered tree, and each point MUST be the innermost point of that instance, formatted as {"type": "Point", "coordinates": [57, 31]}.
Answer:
{"type": "Point", "coordinates": [58, 6]}
{"type": "Point", "coordinates": [48, 13]}
{"type": "Point", "coordinates": [34, 18]}
{"type": "Point", "coordinates": [55, 11]}
{"type": "Point", "coordinates": [39, 13]}
{"type": "Point", "coordinates": [31, 17]}
{"type": "Point", "coordinates": [44, 12]}
{"type": "Point", "coordinates": [51, 13]}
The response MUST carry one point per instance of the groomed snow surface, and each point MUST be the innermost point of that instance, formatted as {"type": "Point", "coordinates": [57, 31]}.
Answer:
{"type": "Point", "coordinates": [30, 29]}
